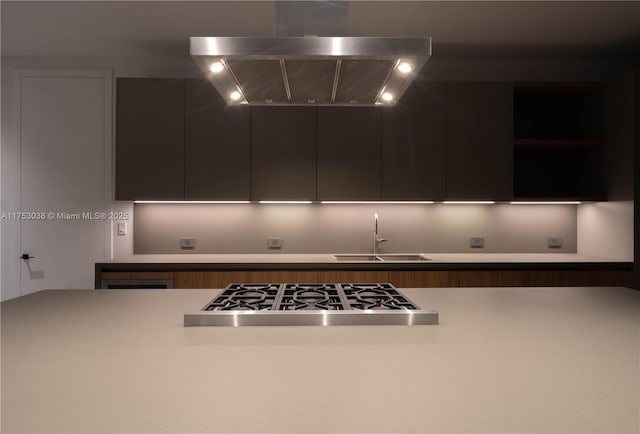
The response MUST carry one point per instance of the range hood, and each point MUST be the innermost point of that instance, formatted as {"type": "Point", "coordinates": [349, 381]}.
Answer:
{"type": "Point", "coordinates": [311, 70]}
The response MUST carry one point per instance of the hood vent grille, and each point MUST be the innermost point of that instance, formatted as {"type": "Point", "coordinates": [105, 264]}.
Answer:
{"type": "Point", "coordinates": [343, 71]}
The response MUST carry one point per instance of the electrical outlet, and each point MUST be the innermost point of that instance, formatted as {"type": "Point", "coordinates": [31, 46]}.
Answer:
{"type": "Point", "coordinates": [554, 242]}
{"type": "Point", "coordinates": [476, 242]}
{"type": "Point", "coordinates": [122, 228]}
{"type": "Point", "coordinates": [274, 242]}
{"type": "Point", "coordinates": [187, 243]}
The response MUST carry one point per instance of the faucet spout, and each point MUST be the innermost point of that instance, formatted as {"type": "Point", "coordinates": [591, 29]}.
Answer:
{"type": "Point", "coordinates": [376, 238]}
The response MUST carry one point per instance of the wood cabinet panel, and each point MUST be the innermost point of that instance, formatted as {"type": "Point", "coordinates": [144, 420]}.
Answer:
{"type": "Point", "coordinates": [558, 278]}
{"type": "Point", "coordinates": [400, 279]}
{"type": "Point", "coordinates": [282, 277]}
{"type": "Point", "coordinates": [478, 278]}
{"type": "Point", "coordinates": [611, 278]}
{"type": "Point", "coordinates": [494, 278]}
{"type": "Point", "coordinates": [579, 278]}
{"type": "Point", "coordinates": [217, 145]}
{"type": "Point", "coordinates": [479, 141]}
{"type": "Point", "coordinates": [413, 144]}
{"type": "Point", "coordinates": [424, 279]}
{"type": "Point", "coordinates": [137, 275]}
{"type": "Point", "coordinates": [150, 139]}
{"type": "Point", "coordinates": [283, 153]}
{"type": "Point", "coordinates": [221, 279]}
{"type": "Point", "coordinates": [349, 153]}
{"type": "Point", "coordinates": [208, 279]}
{"type": "Point", "coordinates": [353, 277]}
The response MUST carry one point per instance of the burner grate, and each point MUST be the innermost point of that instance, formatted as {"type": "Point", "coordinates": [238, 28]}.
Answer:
{"type": "Point", "coordinates": [246, 297]}
{"type": "Point", "coordinates": [311, 297]}
{"type": "Point", "coordinates": [376, 296]}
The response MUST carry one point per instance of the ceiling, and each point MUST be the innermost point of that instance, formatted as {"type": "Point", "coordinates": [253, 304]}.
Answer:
{"type": "Point", "coordinates": [460, 30]}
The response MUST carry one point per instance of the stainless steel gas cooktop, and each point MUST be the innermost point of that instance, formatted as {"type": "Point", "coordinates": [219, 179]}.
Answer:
{"type": "Point", "coordinates": [322, 304]}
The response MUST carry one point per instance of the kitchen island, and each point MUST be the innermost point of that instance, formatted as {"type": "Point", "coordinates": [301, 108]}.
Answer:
{"type": "Point", "coordinates": [535, 360]}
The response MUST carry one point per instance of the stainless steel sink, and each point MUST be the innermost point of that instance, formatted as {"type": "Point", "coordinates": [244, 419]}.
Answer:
{"type": "Point", "coordinates": [403, 257]}
{"type": "Point", "coordinates": [390, 257]}
{"type": "Point", "coordinates": [357, 258]}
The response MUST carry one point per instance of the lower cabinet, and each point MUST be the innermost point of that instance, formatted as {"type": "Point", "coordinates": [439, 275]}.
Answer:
{"type": "Point", "coordinates": [135, 280]}
{"type": "Point", "coordinates": [221, 279]}
{"type": "Point", "coordinates": [544, 278]}
{"type": "Point", "coordinates": [400, 279]}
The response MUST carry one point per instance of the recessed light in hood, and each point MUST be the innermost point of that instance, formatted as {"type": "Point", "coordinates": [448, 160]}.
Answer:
{"type": "Point", "coordinates": [314, 70]}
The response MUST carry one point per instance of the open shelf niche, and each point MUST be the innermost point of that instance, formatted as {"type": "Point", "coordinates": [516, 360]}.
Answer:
{"type": "Point", "coordinates": [559, 131]}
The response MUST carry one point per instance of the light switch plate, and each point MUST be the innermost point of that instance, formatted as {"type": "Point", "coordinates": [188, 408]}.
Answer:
{"type": "Point", "coordinates": [122, 228]}
{"type": "Point", "coordinates": [554, 242]}
{"type": "Point", "coordinates": [274, 242]}
{"type": "Point", "coordinates": [476, 242]}
{"type": "Point", "coordinates": [187, 243]}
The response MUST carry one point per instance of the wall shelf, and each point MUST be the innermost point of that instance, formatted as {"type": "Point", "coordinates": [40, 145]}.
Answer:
{"type": "Point", "coordinates": [558, 143]}
{"type": "Point", "coordinates": [558, 149]}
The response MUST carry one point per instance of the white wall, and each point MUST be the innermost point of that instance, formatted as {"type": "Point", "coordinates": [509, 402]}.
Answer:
{"type": "Point", "coordinates": [60, 149]}
{"type": "Point", "coordinates": [605, 229]}
{"type": "Point", "coordinates": [10, 285]}
{"type": "Point", "coordinates": [324, 228]}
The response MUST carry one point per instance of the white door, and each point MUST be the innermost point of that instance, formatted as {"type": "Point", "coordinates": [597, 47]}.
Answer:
{"type": "Point", "coordinates": [65, 177]}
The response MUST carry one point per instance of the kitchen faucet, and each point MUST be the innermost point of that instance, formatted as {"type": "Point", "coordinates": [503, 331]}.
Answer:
{"type": "Point", "coordinates": [376, 239]}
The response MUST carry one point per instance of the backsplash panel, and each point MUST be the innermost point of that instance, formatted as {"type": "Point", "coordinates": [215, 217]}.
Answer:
{"type": "Point", "coordinates": [605, 229]}
{"type": "Point", "coordinates": [348, 228]}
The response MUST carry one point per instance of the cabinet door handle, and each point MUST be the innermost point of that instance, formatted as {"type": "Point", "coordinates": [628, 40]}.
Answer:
{"type": "Point", "coordinates": [25, 256]}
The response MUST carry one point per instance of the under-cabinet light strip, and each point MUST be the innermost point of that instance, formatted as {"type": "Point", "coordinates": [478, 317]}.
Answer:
{"type": "Point", "coordinates": [285, 202]}
{"type": "Point", "coordinates": [469, 202]}
{"type": "Point", "coordinates": [358, 202]}
{"type": "Point", "coordinates": [341, 202]}
{"type": "Point", "coordinates": [566, 202]}
{"type": "Point", "coordinates": [191, 201]}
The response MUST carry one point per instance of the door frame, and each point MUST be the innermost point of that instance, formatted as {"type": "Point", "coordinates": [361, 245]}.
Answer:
{"type": "Point", "coordinates": [109, 149]}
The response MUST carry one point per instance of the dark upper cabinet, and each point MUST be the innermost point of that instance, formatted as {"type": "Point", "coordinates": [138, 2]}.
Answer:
{"type": "Point", "coordinates": [414, 144]}
{"type": "Point", "coordinates": [150, 139]}
{"type": "Point", "coordinates": [283, 153]}
{"type": "Point", "coordinates": [177, 139]}
{"type": "Point", "coordinates": [479, 162]}
{"type": "Point", "coordinates": [636, 182]}
{"type": "Point", "coordinates": [621, 107]}
{"type": "Point", "coordinates": [217, 145]}
{"type": "Point", "coordinates": [349, 153]}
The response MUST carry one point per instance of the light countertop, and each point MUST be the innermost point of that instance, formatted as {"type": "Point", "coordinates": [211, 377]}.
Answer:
{"type": "Point", "coordinates": [329, 258]}
{"type": "Point", "coordinates": [327, 261]}
{"type": "Point", "coordinates": [525, 360]}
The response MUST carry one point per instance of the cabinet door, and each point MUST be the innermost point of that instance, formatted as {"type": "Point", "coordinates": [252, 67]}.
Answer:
{"type": "Point", "coordinates": [217, 145]}
{"type": "Point", "coordinates": [479, 141]}
{"type": "Point", "coordinates": [413, 144]}
{"type": "Point", "coordinates": [636, 188]}
{"type": "Point", "coordinates": [150, 139]}
{"type": "Point", "coordinates": [621, 107]}
{"type": "Point", "coordinates": [283, 151]}
{"type": "Point", "coordinates": [349, 153]}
